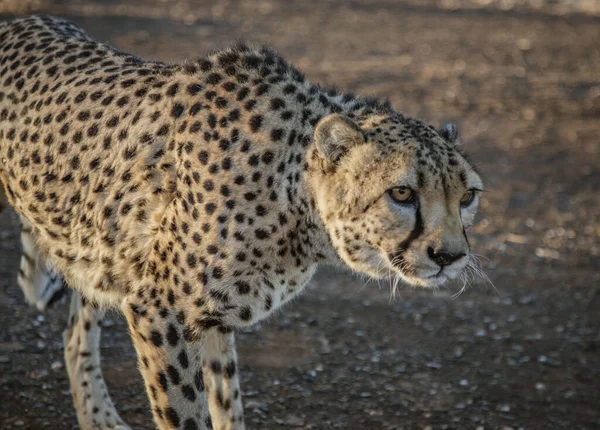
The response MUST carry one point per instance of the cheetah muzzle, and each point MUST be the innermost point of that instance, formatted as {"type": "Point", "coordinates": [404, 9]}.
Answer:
{"type": "Point", "coordinates": [200, 197]}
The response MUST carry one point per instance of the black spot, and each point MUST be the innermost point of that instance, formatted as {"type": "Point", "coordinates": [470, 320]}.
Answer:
{"type": "Point", "coordinates": [172, 416]}
{"type": "Point", "coordinates": [261, 234]}
{"type": "Point", "coordinates": [122, 101]}
{"type": "Point", "coordinates": [213, 78]}
{"type": "Point", "coordinates": [205, 65]}
{"type": "Point", "coordinates": [209, 185]}
{"type": "Point", "coordinates": [191, 260]}
{"type": "Point", "coordinates": [80, 97]}
{"type": "Point", "coordinates": [261, 210]}
{"type": "Point", "coordinates": [173, 375]}
{"type": "Point", "coordinates": [203, 157]}
{"type": "Point", "coordinates": [177, 110]}
{"type": "Point", "coordinates": [113, 122]}
{"type": "Point", "coordinates": [162, 381]}
{"type": "Point", "coordinates": [230, 369]}
{"type": "Point", "coordinates": [212, 120]}
{"type": "Point", "coordinates": [251, 62]}
{"type": "Point", "coordinates": [156, 338]}
{"type": "Point", "coordinates": [242, 94]}
{"type": "Point", "coordinates": [194, 89]}
{"type": "Point", "coordinates": [188, 392]}
{"type": "Point", "coordinates": [173, 89]}
{"type": "Point", "coordinates": [277, 103]}
{"type": "Point", "coordinates": [220, 102]}
{"type": "Point", "coordinates": [183, 359]}
{"type": "Point", "coordinates": [163, 130]}
{"type": "Point", "coordinates": [243, 286]}
{"type": "Point", "coordinates": [246, 313]}
{"type": "Point", "coordinates": [196, 107]}
{"type": "Point", "coordinates": [93, 130]}
{"type": "Point", "coordinates": [215, 366]}
{"type": "Point", "coordinates": [190, 424]}
{"type": "Point", "coordinates": [229, 86]}
{"type": "Point", "coordinates": [172, 336]}
{"type": "Point", "coordinates": [255, 123]}
{"type": "Point", "coordinates": [267, 157]}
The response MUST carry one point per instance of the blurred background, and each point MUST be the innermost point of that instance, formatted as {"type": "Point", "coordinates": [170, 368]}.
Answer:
{"type": "Point", "coordinates": [521, 78]}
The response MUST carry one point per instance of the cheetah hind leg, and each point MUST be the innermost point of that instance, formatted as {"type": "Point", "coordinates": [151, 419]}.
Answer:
{"type": "Point", "coordinates": [95, 409]}
{"type": "Point", "coordinates": [40, 284]}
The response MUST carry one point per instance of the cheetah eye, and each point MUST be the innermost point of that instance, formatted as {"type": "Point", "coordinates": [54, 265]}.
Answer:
{"type": "Point", "coordinates": [402, 195]}
{"type": "Point", "coordinates": [467, 198]}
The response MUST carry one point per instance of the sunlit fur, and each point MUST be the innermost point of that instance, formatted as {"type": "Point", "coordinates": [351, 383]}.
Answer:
{"type": "Point", "coordinates": [380, 238]}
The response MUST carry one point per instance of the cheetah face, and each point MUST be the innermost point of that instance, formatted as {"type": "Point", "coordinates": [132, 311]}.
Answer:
{"type": "Point", "coordinates": [396, 197]}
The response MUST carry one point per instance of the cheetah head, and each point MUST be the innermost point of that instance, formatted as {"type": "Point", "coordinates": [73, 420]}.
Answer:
{"type": "Point", "coordinates": [395, 196]}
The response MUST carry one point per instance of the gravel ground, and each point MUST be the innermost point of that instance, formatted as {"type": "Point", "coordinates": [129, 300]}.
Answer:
{"type": "Point", "coordinates": [521, 78]}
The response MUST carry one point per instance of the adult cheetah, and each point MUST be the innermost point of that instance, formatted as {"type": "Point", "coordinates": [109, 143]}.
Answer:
{"type": "Point", "coordinates": [200, 197]}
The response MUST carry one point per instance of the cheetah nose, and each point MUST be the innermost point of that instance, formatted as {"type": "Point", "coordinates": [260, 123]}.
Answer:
{"type": "Point", "coordinates": [443, 257]}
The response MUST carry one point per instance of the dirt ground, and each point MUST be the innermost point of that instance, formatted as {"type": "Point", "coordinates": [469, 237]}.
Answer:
{"type": "Point", "coordinates": [522, 80]}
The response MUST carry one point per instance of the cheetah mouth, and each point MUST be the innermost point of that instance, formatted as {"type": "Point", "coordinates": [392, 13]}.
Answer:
{"type": "Point", "coordinates": [426, 277]}
{"type": "Point", "coordinates": [435, 280]}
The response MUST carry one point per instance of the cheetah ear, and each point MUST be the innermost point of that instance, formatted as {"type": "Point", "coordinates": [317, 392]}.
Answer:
{"type": "Point", "coordinates": [450, 133]}
{"type": "Point", "coordinates": [335, 134]}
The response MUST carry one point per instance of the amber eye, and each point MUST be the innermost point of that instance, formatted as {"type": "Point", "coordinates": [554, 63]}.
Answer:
{"type": "Point", "coordinates": [402, 195]}
{"type": "Point", "coordinates": [467, 198]}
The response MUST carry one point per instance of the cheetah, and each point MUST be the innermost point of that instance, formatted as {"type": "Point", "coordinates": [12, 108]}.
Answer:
{"type": "Point", "coordinates": [198, 198]}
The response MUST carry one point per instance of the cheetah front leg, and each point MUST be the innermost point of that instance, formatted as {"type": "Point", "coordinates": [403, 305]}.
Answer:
{"type": "Point", "coordinates": [219, 365]}
{"type": "Point", "coordinates": [95, 409]}
{"type": "Point", "coordinates": [182, 370]}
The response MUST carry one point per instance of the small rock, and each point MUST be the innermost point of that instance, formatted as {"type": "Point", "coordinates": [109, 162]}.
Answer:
{"type": "Point", "coordinates": [400, 369]}
{"type": "Point", "coordinates": [526, 300]}
{"type": "Point", "coordinates": [548, 361]}
{"type": "Point", "coordinates": [295, 421]}
{"type": "Point", "coordinates": [4, 358]}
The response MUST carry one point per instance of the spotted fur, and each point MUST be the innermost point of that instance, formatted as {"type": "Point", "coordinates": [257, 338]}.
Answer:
{"type": "Point", "coordinates": [200, 197]}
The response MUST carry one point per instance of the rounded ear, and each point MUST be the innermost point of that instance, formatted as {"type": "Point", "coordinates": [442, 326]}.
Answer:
{"type": "Point", "coordinates": [335, 134]}
{"type": "Point", "coordinates": [450, 133]}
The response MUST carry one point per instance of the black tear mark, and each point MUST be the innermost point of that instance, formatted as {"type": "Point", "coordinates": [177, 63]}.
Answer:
{"type": "Point", "coordinates": [397, 257]}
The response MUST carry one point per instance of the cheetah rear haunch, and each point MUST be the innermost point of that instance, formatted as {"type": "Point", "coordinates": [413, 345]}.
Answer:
{"type": "Point", "coordinates": [200, 197]}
